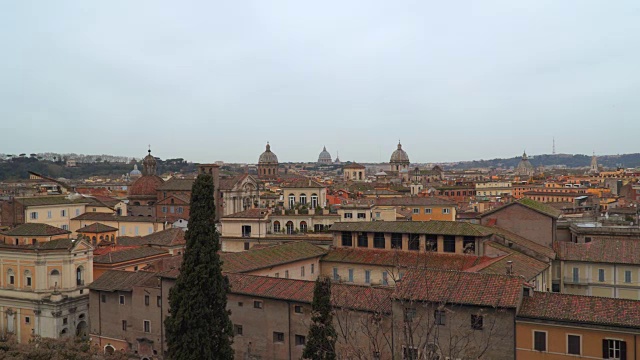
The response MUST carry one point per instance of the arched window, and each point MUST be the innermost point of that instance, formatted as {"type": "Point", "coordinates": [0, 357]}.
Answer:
{"type": "Point", "coordinates": [80, 276]}
{"type": "Point", "coordinates": [303, 226]}
{"type": "Point", "coordinates": [292, 201]}
{"type": "Point", "coordinates": [93, 240]}
{"type": "Point", "coordinates": [276, 226]}
{"type": "Point", "coordinates": [54, 279]}
{"type": "Point", "coordinates": [112, 237]}
{"type": "Point", "coordinates": [314, 200]}
{"type": "Point", "coordinates": [11, 277]}
{"type": "Point", "coordinates": [303, 199]}
{"type": "Point", "coordinates": [27, 278]}
{"type": "Point", "coordinates": [101, 237]}
{"type": "Point", "coordinates": [109, 350]}
{"type": "Point", "coordinates": [289, 227]}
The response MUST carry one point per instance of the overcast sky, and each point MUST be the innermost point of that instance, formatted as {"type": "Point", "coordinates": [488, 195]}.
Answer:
{"type": "Point", "coordinates": [208, 80]}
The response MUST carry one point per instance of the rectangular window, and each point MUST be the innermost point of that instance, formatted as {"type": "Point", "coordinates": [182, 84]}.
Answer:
{"type": "Point", "coordinates": [627, 276]}
{"type": "Point", "coordinates": [573, 344]}
{"type": "Point", "coordinates": [477, 322]}
{"type": "Point", "coordinates": [440, 316]}
{"type": "Point", "coordinates": [449, 243]}
{"type": "Point", "coordinates": [367, 276]}
{"type": "Point", "coordinates": [65, 227]}
{"type": "Point", "coordinates": [246, 230]}
{"type": "Point", "coordinates": [348, 215]}
{"type": "Point", "coordinates": [414, 242]}
{"type": "Point", "coordinates": [446, 211]}
{"type": "Point", "coordinates": [313, 268]}
{"type": "Point", "coordinates": [28, 280]}
{"type": "Point", "coordinates": [347, 238]}
{"type": "Point", "coordinates": [378, 240]}
{"type": "Point", "coordinates": [362, 215]}
{"type": "Point", "coordinates": [297, 309]}
{"type": "Point", "coordinates": [302, 271]}
{"type": "Point", "coordinates": [416, 210]}
{"type": "Point", "coordinates": [431, 243]}
{"type": "Point", "coordinates": [409, 314]}
{"type": "Point", "coordinates": [540, 340]}
{"type": "Point", "coordinates": [237, 329]}
{"type": "Point", "coordinates": [147, 326]}
{"type": "Point", "coordinates": [146, 300]}
{"type": "Point", "coordinates": [103, 298]}
{"type": "Point", "coordinates": [363, 240]}
{"type": "Point", "coordinates": [427, 210]}
{"type": "Point", "coordinates": [49, 214]}
{"type": "Point", "coordinates": [396, 241]}
{"type": "Point", "coordinates": [159, 301]}
{"type": "Point", "coordinates": [614, 349]}
{"type": "Point", "coordinates": [286, 274]}
{"type": "Point", "coordinates": [78, 212]}
{"type": "Point", "coordinates": [587, 239]}
{"type": "Point", "coordinates": [350, 275]}
{"type": "Point", "coordinates": [34, 215]}
{"type": "Point", "coordinates": [300, 340]}
{"type": "Point", "coordinates": [121, 299]}
{"type": "Point", "coordinates": [65, 321]}
{"type": "Point", "coordinates": [409, 353]}
{"type": "Point", "coordinates": [601, 275]}
{"type": "Point", "coordinates": [385, 278]}
{"type": "Point", "coordinates": [164, 209]}
{"type": "Point", "coordinates": [278, 337]}
{"type": "Point", "coordinates": [336, 277]}
{"type": "Point", "coordinates": [377, 215]}
{"type": "Point", "coordinates": [576, 275]}
{"type": "Point", "coordinates": [136, 231]}
{"type": "Point", "coordinates": [150, 230]}
{"type": "Point", "coordinates": [122, 230]}
{"type": "Point", "coordinates": [124, 325]}
{"type": "Point", "coordinates": [27, 320]}
{"type": "Point", "coordinates": [12, 280]}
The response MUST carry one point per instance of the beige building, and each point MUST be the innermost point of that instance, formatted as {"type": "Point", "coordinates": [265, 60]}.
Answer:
{"type": "Point", "coordinates": [304, 193]}
{"type": "Point", "coordinates": [42, 289]}
{"type": "Point", "coordinates": [494, 189]}
{"type": "Point", "coordinates": [53, 210]}
{"type": "Point", "coordinates": [126, 225]}
{"type": "Point", "coordinates": [358, 213]}
{"type": "Point", "coordinates": [354, 172]}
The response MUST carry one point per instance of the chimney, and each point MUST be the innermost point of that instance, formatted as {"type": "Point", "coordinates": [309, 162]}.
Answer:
{"type": "Point", "coordinates": [509, 267]}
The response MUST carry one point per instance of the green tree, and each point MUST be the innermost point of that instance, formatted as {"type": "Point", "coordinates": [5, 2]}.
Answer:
{"type": "Point", "coordinates": [198, 326]}
{"type": "Point", "coordinates": [321, 341]}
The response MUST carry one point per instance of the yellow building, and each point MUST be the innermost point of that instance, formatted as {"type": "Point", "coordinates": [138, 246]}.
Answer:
{"type": "Point", "coordinates": [42, 288]}
{"type": "Point", "coordinates": [423, 208]}
{"type": "Point", "coordinates": [126, 225]}
{"type": "Point", "coordinates": [493, 189]}
{"type": "Point", "coordinates": [53, 210]}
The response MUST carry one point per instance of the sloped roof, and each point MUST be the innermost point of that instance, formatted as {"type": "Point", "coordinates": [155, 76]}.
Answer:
{"type": "Point", "coordinates": [581, 309]}
{"type": "Point", "coordinates": [169, 237]}
{"type": "Point", "coordinates": [537, 206]}
{"type": "Point", "coordinates": [457, 287]}
{"type": "Point", "coordinates": [251, 260]}
{"type": "Point", "coordinates": [104, 217]}
{"type": "Point", "coordinates": [607, 250]}
{"type": "Point", "coordinates": [51, 200]}
{"type": "Point", "coordinates": [127, 255]}
{"type": "Point", "coordinates": [415, 227]}
{"type": "Point", "coordinates": [174, 184]}
{"type": "Point", "coordinates": [248, 214]}
{"type": "Point", "coordinates": [118, 280]}
{"type": "Point", "coordinates": [522, 265]}
{"type": "Point", "coordinates": [302, 183]}
{"type": "Point", "coordinates": [34, 229]}
{"type": "Point", "coordinates": [96, 228]}
{"type": "Point", "coordinates": [410, 259]}
{"type": "Point", "coordinates": [415, 201]}
{"type": "Point", "coordinates": [524, 242]}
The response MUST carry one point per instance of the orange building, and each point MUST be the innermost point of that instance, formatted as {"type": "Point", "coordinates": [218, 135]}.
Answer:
{"type": "Point", "coordinates": [98, 232]}
{"type": "Point", "coordinates": [32, 233]}
{"type": "Point", "coordinates": [555, 326]}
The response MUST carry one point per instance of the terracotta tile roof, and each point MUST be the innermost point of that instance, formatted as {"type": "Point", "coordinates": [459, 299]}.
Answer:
{"type": "Point", "coordinates": [539, 207]}
{"type": "Point", "coordinates": [229, 183]}
{"type": "Point", "coordinates": [116, 257]}
{"type": "Point", "coordinates": [251, 260]}
{"type": "Point", "coordinates": [104, 217]}
{"type": "Point", "coordinates": [522, 265]}
{"type": "Point", "coordinates": [174, 184]}
{"type": "Point", "coordinates": [101, 250]}
{"type": "Point", "coordinates": [613, 250]}
{"type": "Point", "coordinates": [249, 214]}
{"type": "Point", "coordinates": [302, 183]}
{"type": "Point", "coordinates": [456, 287]}
{"type": "Point", "coordinates": [33, 229]}
{"type": "Point", "coordinates": [51, 200]}
{"type": "Point", "coordinates": [415, 227]}
{"type": "Point", "coordinates": [524, 242]}
{"type": "Point", "coordinates": [118, 280]}
{"type": "Point", "coordinates": [56, 244]}
{"type": "Point", "coordinates": [96, 228]}
{"type": "Point", "coordinates": [581, 309]}
{"type": "Point", "coordinates": [409, 259]}
{"type": "Point", "coordinates": [169, 237]}
{"type": "Point", "coordinates": [353, 166]}
{"type": "Point", "coordinates": [414, 201]}
{"type": "Point", "coordinates": [364, 298]}
{"type": "Point", "coordinates": [165, 264]}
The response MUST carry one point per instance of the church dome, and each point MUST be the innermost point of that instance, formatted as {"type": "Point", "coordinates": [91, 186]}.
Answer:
{"type": "Point", "coordinates": [324, 157]}
{"type": "Point", "coordinates": [149, 164]}
{"type": "Point", "coordinates": [525, 167]}
{"type": "Point", "coordinates": [267, 157]}
{"type": "Point", "coordinates": [399, 156]}
{"type": "Point", "coordinates": [135, 173]}
{"type": "Point", "coordinates": [145, 186]}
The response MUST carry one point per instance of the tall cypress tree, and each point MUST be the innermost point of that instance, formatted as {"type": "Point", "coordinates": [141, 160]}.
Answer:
{"type": "Point", "coordinates": [198, 326]}
{"type": "Point", "coordinates": [321, 341]}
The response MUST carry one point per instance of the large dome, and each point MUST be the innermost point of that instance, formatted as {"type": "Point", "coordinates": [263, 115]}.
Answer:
{"type": "Point", "coordinates": [399, 156]}
{"type": "Point", "coordinates": [324, 157]}
{"type": "Point", "coordinates": [525, 167]}
{"type": "Point", "coordinates": [145, 186]}
{"type": "Point", "coordinates": [267, 157]}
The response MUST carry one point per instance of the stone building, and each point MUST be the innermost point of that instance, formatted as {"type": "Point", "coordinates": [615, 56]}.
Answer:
{"type": "Point", "coordinates": [268, 164]}
{"type": "Point", "coordinates": [354, 172]}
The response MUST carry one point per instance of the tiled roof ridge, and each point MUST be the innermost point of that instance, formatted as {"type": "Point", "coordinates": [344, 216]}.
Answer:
{"type": "Point", "coordinates": [486, 264]}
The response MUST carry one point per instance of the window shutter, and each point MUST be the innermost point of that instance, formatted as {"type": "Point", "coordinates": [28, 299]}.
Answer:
{"type": "Point", "coordinates": [623, 350]}
{"type": "Point", "coordinates": [605, 348]}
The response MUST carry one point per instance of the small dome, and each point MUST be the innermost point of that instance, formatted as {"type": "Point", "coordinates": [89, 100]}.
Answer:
{"type": "Point", "coordinates": [325, 157]}
{"type": "Point", "coordinates": [399, 156]}
{"type": "Point", "coordinates": [145, 186]}
{"type": "Point", "coordinates": [267, 157]}
{"type": "Point", "coordinates": [135, 173]}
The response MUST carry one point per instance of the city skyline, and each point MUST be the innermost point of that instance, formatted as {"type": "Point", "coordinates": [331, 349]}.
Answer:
{"type": "Point", "coordinates": [454, 82]}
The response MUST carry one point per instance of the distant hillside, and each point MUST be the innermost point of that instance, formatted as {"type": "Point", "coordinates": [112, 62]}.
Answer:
{"type": "Point", "coordinates": [568, 160]}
